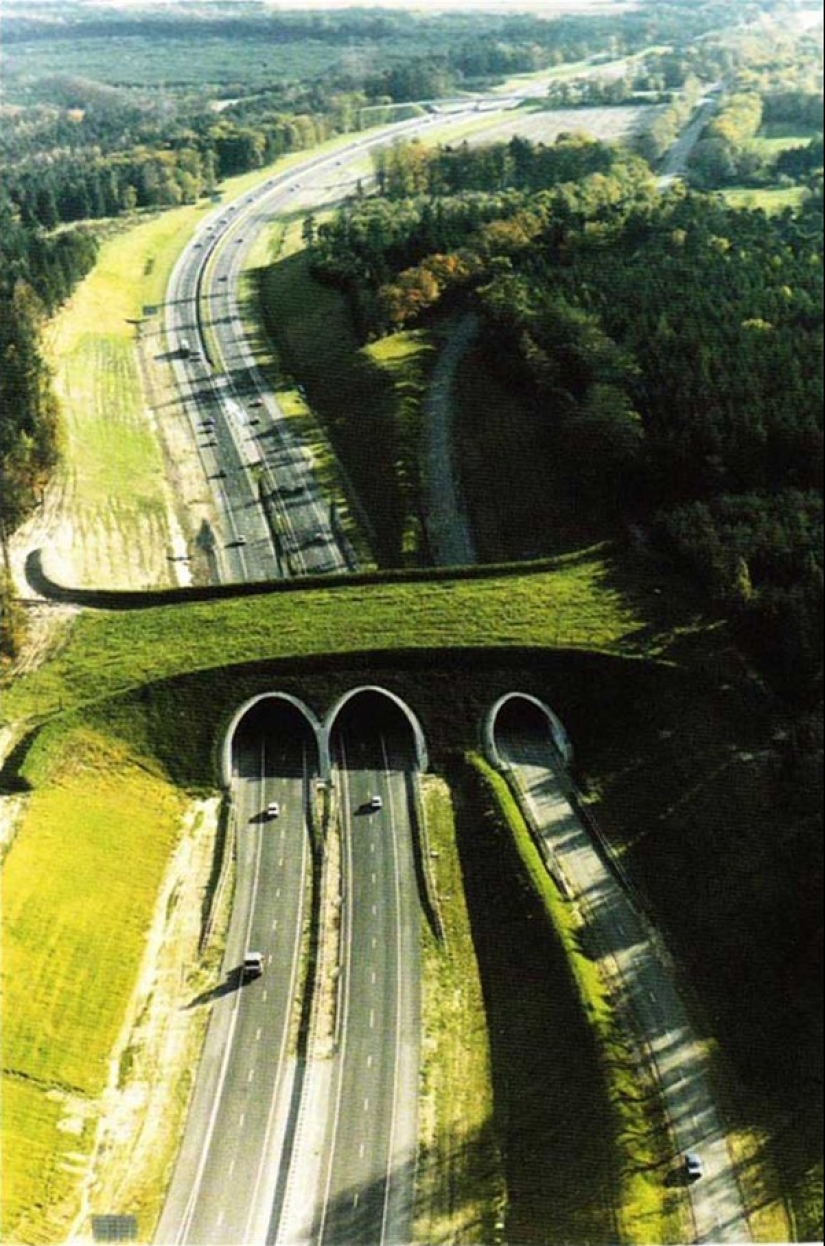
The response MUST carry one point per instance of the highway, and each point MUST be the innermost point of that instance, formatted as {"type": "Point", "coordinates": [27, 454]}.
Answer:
{"type": "Point", "coordinates": [249, 450]}
{"type": "Point", "coordinates": [230, 1160]}
{"type": "Point", "coordinates": [624, 939]}
{"type": "Point", "coordinates": [353, 1168]}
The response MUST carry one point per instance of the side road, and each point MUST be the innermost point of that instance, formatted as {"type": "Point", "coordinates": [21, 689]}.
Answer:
{"type": "Point", "coordinates": [448, 529]}
{"type": "Point", "coordinates": [615, 930]}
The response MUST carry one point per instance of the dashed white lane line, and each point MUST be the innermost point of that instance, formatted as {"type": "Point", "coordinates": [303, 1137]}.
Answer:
{"type": "Point", "coordinates": [366, 1105]}
{"type": "Point", "coordinates": [374, 878]}
{"type": "Point", "coordinates": [241, 1120]}
{"type": "Point", "coordinates": [369, 1062]}
{"type": "Point", "coordinates": [372, 1018]}
{"type": "Point", "coordinates": [258, 1036]}
{"type": "Point", "coordinates": [362, 1150]}
{"type": "Point", "coordinates": [250, 1075]}
{"type": "Point", "coordinates": [275, 924]}
{"type": "Point", "coordinates": [373, 977]}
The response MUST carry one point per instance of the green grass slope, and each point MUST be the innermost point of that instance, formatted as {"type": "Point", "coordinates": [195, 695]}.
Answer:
{"type": "Point", "coordinates": [80, 883]}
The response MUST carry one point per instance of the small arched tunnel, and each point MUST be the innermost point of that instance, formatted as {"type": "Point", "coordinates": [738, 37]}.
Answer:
{"type": "Point", "coordinates": [273, 736]}
{"type": "Point", "coordinates": [373, 729]}
{"type": "Point", "coordinates": [521, 729]}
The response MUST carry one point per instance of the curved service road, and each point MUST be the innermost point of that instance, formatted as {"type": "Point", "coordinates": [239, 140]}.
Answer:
{"type": "Point", "coordinates": [617, 929]}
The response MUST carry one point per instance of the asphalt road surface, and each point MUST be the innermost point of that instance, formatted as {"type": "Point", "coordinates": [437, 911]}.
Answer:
{"type": "Point", "coordinates": [352, 1180]}
{"type": "Point", "coordinates": [614, 926]}
{"type": "Point", "coordinates": [228, 1167]}
{"type": "Point", "coordinates": [249, 450]}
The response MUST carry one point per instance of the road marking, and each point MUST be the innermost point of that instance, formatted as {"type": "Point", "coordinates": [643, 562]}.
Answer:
{"type": "Point", "coordinates": [275, 924]}
{"type": "Point", "coordinates": [231, 1167]}
{"type": "Point", "coordinates": [366, 1105]}
{"type": "Point", "coordinates": [375, 910]}
{"type": "Point", "coordinates": [355, 1198]}
{"type": "Point", "coordinates": [369, 1062]}
{"type": "Point", "coordinates": [281, 863]}
{"type": "Point", "coordinates": [250, 1075]}
{"type": "Point", "coordinates": [264, 995]}
{"type": "Point", "coordinates": [278, 894]}
{"type": "Point", "coordinates": [374, 878]}
{"type": "Point", "coordinates": [373, 977]}
{"type": "Point", "coordinates": [242, 1119]}
{"type": "Point", "coordinates": [372, 1018]}
{"type": "Point", "coordinates": [374, 941]}
{"type": "Point", "coordinates": [652, 996]}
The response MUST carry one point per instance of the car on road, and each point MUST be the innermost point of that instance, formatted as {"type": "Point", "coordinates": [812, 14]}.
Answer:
{"type": "Point", "coordinates": [694, 1166]}
{"type": "Point", "coordinates": [273, 809]}
{"type": "Point", "coordinates": [376, 802]}
{"type": "Point", "coordinates": [253, 965]}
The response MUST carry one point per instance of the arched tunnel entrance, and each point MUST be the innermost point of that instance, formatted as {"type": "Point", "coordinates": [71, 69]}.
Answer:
{"type": "Point", "coordinates": [519, 726]}
{"type": "Point", "coordinates": [376, 730]}
{"type": "Point", "coordinates": [275, 735]}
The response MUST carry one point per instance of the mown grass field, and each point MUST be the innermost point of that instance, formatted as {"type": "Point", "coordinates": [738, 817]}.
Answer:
{"type": "Point", "coordinates": [80, 883]}
{"type": "Point", "coordinates": [770, 199]}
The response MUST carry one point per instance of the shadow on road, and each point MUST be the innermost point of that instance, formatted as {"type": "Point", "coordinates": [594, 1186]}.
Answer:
{"type": "Point", "coordinates": [233, 982]}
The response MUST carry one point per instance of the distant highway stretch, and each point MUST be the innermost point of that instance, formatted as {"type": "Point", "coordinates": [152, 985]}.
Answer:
{"type": "Point", "coordinates": [272, 517]}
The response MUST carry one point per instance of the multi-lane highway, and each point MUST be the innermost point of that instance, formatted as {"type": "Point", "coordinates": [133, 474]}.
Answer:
{"type": "Point", "coordinates": [366, 1191]}
{"type": "Point", "coordinates": [271, 517]}
{"type": "Point", "coordinates": [224, 1185]}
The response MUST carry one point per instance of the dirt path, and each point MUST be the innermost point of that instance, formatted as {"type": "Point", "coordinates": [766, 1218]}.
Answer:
{"type": "Point", "coordinates": [448, 528]}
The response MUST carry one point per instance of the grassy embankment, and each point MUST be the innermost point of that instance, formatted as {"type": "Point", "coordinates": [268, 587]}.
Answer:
{"type": "Point", "coordinates": [558, 1045]}
{"type": "Point", "coordinates": [366, 397]}
{"type": "Point", "coordinates": [80, 885]}
{"type": "Point", "coordinates": [460, 1186]}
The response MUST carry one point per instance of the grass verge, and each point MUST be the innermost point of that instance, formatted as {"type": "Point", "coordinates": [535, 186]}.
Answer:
{"type": "Point", "coordinates": [560, 1052]}
{"type": "Point", "coordinates": [364, 397]}
{"type": "Point", "coordinates": [460, 1182]}
{"type": "Point", "coordinates": [80, 883]}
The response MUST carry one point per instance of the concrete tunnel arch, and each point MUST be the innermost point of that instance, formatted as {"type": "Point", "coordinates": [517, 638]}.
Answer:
{"type": "Point", "coordinates": [311, 719]}
{"type": "Point", "coordinates": [421, 753]}
{"type": "Point", "coordinates": [558, 734]}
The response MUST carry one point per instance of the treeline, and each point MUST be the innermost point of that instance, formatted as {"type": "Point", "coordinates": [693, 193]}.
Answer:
{"type": "Point", "coordinates": [37, 273]}
{"type": "Point", "coordinates": [87, 184]}
{"type": "Point", "coordinates": [673, 345]}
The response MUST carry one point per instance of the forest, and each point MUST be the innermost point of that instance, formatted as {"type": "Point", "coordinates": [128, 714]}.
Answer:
{"type": "Point", "coordinates": [78, 148]}
{"type": "Point", "coordinates": [670, 346]}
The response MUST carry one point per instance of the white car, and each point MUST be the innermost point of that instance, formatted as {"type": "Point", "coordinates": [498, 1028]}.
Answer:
{"type": "Point", "coordinates": [377, 802]}
{"type": "Point", "coordinates": [694, 1167]}
{"type": "Point", "coordinates": [273, 809]}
